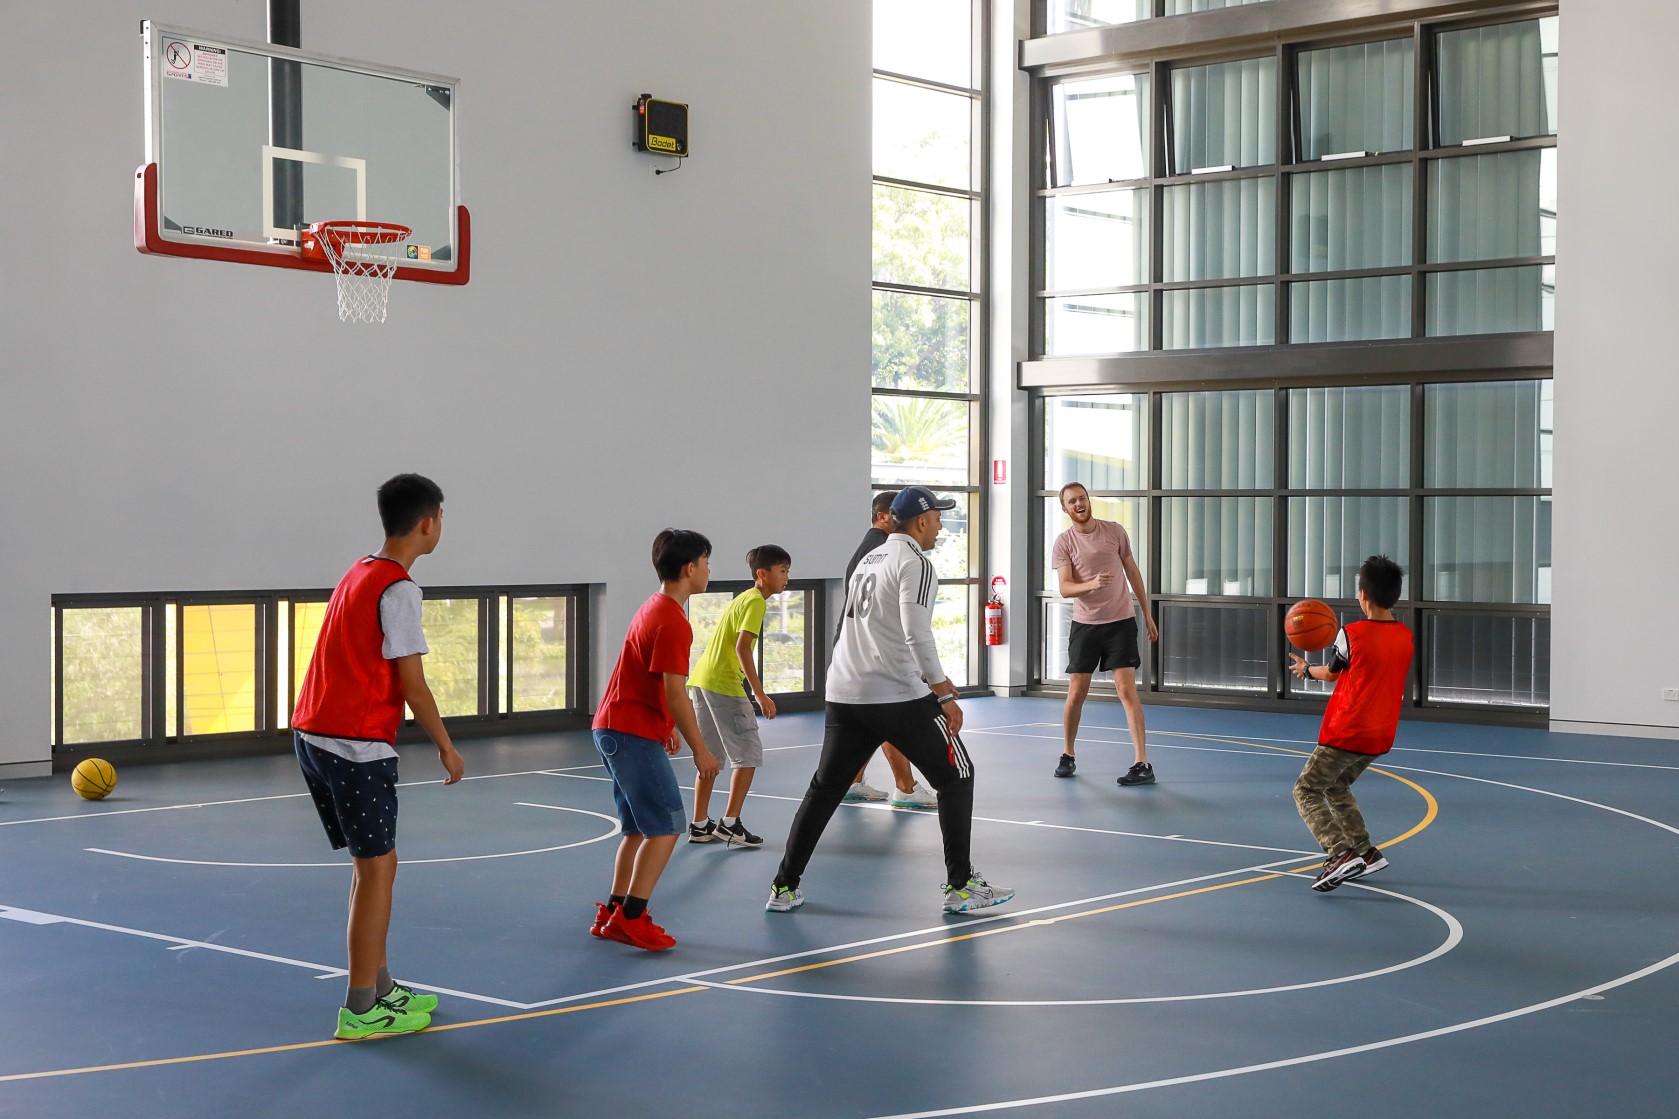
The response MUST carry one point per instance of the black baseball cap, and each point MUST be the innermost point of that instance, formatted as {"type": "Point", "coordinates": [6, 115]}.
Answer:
{"type": "Point", "coordinates": [916, 500]}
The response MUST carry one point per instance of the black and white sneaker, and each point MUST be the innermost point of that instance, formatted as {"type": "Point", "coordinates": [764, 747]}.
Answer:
{"type": "Point", "coordinates": [703, 833]}
{"type": "Point", "coordinates": [1343, 867]}
{"type": "Point", "coordinates": [1374, 860]}
{"type": "Point", "coordinates": [1066, 766]}
{"type": "Point", "coordinates": [736, 835]}
{"type": "Point", "coordinates": [1140, 774]}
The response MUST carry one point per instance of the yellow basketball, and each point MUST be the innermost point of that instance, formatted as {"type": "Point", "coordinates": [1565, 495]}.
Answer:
{"type": "Point", "coordinates": [93, 779]}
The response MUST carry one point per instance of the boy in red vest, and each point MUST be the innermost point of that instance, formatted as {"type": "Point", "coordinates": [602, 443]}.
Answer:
{"type": "Point", "coordinates": [1368, 665]}
{"type": "Point", "coordinates": [366, 664]}
{"type": "Point", "coordinates": [646, 703]}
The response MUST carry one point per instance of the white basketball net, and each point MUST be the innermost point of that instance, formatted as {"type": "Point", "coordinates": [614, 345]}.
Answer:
{"type": "Point", "coordinates": [364, 258]}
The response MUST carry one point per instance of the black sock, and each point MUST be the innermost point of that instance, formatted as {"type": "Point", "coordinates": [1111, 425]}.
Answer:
{"type": "Point", "coordinates": [634, 908]}
{"type": "Point", "coordinates": [615, 900]}
{"type": "Point", "coordinates": [359, 1000]}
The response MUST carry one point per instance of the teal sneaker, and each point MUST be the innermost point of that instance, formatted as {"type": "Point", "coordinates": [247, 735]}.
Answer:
{"type": "Point", "coordinates": [382, 1021]}
{"type": "Point", "coordinates": [410, 1001]}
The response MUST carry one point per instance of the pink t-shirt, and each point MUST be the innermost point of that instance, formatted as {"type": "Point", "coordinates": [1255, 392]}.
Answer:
{"type": "Point", "coordinates": [1089, 554]}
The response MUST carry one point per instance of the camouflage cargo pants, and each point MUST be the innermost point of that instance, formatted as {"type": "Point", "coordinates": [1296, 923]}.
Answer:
{"type": "Point", "coordinates": [1324, 796]}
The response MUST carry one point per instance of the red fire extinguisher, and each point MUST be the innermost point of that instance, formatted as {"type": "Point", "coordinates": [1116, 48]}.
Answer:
{"type": "Point", "coordinates": [994, 612]}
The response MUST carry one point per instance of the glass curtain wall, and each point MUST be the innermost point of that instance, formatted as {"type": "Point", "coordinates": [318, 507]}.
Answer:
{"type": "Point", "coordinates": [928, 212]}
{"type": "Point", "coordinates": [1299, 196]}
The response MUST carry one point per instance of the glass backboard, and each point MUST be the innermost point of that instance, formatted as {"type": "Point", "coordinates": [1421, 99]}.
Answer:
{"type": "Point", "coordinates": [249, 143]}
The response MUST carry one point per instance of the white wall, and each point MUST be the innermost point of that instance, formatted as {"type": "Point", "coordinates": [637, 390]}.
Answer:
{"type": "Point", "coordinates": [1615, 635]}
{"type": "Point", "coordinates": [564, 428]}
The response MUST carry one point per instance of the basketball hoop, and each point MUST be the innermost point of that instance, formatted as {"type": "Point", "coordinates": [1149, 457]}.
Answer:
{"type": "Point", "coordinates": [364, 256]}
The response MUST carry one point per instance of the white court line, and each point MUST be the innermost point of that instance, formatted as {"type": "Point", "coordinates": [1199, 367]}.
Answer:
{"type": "Point", "coordinates": [1454, 935]}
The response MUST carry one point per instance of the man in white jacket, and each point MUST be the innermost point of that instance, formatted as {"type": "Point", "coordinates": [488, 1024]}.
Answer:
{"type": "Point", "coordinates": [886, 685]}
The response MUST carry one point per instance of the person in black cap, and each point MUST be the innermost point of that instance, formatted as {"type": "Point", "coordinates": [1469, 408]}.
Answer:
{"type": "Point", "coordinates": [886, 684]}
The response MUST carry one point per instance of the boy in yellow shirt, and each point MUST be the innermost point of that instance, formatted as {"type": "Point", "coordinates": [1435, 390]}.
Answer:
{"type": "Point", "coordinates": [718, 684]}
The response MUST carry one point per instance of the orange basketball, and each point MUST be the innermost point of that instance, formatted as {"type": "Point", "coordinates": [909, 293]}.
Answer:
{"type": "Point", "coordinates": [1310, 625]}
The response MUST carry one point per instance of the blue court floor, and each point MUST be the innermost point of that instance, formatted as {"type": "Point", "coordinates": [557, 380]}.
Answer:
{"type": "Point", "coordinates": [177, 949]}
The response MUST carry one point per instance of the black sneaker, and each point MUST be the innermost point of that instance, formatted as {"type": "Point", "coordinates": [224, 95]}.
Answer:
{"type": "Point", "coordinates": [1140, 774]}
{"type": "Point", "coordinates": [1343, 867]}
{"type": "Point", "coordinates": [1065, 767]}
{"type": "Point", "coordinates": [738, 836]}
{"type": "Point", "coordinates": [1374, 860]}
{"type": "Point", "coordinates": [698, 834]}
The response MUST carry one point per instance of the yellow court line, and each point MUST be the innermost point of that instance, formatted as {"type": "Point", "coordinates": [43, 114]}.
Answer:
{"type": "Point", "coordinates": [1428, 818]}
{"type": "Point", "coordinates": [334, 1041]}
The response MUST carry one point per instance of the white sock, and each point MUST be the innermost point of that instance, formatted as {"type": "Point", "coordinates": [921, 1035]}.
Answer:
{"type": "Point", "coordinates": [730, 821]}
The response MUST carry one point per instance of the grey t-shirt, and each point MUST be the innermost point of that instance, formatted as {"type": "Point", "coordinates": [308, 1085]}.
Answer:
{"type": "Point", "coordinates": [399, 617]}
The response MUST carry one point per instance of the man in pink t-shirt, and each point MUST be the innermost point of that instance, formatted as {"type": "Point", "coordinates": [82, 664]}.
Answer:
{"type": "Point", "coordinates": [1096, 569]}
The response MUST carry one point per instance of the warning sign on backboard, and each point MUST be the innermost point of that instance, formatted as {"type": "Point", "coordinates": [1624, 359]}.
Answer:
{"type": "Point", "coordinates": [192, 62]}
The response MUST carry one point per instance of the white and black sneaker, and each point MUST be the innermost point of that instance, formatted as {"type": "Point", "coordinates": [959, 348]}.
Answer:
{"type": "Point", "coordinates": [736, 835]}
{"type": "Point", "coordinates": [1347, 865]}
{"type": "Point", "coordinates": [1374, 860]}
{"type": "Point", "coordinates": [1140, 774]}
{"type": "Point", "coordinates": [703, 833]}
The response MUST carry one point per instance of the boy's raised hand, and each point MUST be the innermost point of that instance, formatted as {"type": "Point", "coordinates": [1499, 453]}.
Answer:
{"type": "Point", "coordinates": [1297, 665]}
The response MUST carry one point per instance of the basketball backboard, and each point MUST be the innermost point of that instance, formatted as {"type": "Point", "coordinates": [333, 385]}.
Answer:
{"type": "Point", "coordinates": [249, 143]}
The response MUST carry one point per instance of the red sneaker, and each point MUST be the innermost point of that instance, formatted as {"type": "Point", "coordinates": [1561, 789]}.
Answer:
{"type": "Point", "coordinates": [639, 933]}
{"type": "Point", "coordinates": [602, 914]}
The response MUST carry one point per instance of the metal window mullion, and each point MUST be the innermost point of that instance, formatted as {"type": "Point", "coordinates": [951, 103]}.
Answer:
{"type": "Point", "coordinates": [268, 667]}
{"type": "Point", "coordinates": [1424, 105]}
{"type": "Point", "coordinates": [1423, 616]}
{"type": "Point", "coordinates": [927, 188]}
{"type": "Point", "coordinates": [1284, 141]}
{"type": "Point", "coordinates": [1277, 677]}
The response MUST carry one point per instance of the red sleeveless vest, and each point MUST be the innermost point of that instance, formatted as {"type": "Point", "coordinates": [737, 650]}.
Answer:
{"type": "Point", "coordinates": [351, 690]}
{"type": "Point", "coordinates": [1363, 712]}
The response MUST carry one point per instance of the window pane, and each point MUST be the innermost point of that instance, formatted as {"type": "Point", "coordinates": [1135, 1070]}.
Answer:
{"type": "Point", "coordinates": [1356, 99]}
{"type": "Point", "coordinates": [1487, 549]}
{"type": "Point", "coordinates": [1350, 310]}
{"type": "Point", "coordinates": [103, 685]}
{"type": "Point", "coordinates": [1217, 440]}
{"type": "Point", "coordinates": [1101, 130]}
{"type": "Point", "coordinates": [1491, 300]}
{"type": "Point", "coordinates": [1356, 218]}
{"type": "Point", "coordinates": [451, 626]}
{"type": "Point", "coordinates": [1328, 537]}
{"type": "Point", "coordinates": [1485, 207]}
{"type": "Point", "coordinates": [306, 630]}
{"type": "Point", "coordinates": [704, 612]}
{"type": "Point", "coordinates": [1076, 15]}
{"type": "Point", "coordinates": [1486, 436]}
{"type": "Point", "coordinates": [171, 672]}
{"type": "Point", "coordinates": [1474, 658]}
{"type": "Point", "coordinates": [920, 238]}
{"type": "Point", "coordinates": [1101, 441]}
{"type": "Point", "coordinates": [1052, 653]}
{"type": "Point", "coordinates": [1184, 7]}
{"type": "Point", "coordinates": [1224, 115]}
{"type": "Point", "coordinates": [1349, 438]}
{"type": "Point", "coordinates": [1128, 511]}
{"type": "Point", "coordinates": [920, 439]}
{"type": "Point", "coordinates": [539, 654]}
{"type": "Point", "coordinates": [218, 668]}
{"type": "Point", "coordinates": [922, 134]}
{"type": "Point", "coordinates": [1498, 81]}
{"type": "Point", "coordinates": [921, 342]}
{"type": "Point", "coordinates": [1096, 240]}
{"type": "Point", "coordinates": [930, 39]}
{"type": "Point", "coordinates": [1096, 324]}
{"type": "Point", "coordinates": [953, 555]}
{"type": "Point", "coordinates": [951, 632]}
{"type": "Point", "coordinates": [1196, 318]}
{"type": "Point", "coordinates": [1215, 545]}
{"type": "Point", "coordinates": [784, 644]}
{"type": "Point", "coordinates": [1219, 230]}
{"type": "Point", "coordinates": [1213, 647]}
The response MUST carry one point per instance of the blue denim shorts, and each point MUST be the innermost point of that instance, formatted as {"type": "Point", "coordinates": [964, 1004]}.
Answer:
{"type": "Point", "coordinates": [643, 784]}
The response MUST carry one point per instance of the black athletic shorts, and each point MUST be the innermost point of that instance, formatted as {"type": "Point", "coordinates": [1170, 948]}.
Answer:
{"type": "Point", "coordinates": [1102, 647]}
{"type": "Point", "coordinates": [356, 800]}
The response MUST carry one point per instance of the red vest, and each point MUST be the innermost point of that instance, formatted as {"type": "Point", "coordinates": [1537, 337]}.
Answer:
{"type": "Point", "coordinates": [351, 690]}
{"type": "Point", "coordinates": [1363, 713]}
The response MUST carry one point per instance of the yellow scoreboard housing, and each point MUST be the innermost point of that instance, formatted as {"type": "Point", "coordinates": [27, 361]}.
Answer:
{"type": "Point", "coordinates": [661, 126]}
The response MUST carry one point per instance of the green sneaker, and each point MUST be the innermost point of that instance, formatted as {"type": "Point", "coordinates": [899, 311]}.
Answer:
{"type": "Point", "coordinates": [382, 1021]}
{"type": "Point", "coordinates": [410, 1001]}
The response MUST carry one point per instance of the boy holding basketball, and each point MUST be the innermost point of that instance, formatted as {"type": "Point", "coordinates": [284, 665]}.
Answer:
{"type": "Point", "coordinates": [717, 689]}
{"type": "Point", "coordinates": [636, 728]}
{"type": "Point", "coordinates": [1368, 665]}
{"type": "Point", "coordinates": [365, 666]}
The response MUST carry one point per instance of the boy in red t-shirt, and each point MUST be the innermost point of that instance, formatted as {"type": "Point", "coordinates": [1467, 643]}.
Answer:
{"type": "Point", "coordinates": [1368, 665]}
{"type": "Point", "coordinates": [636, 726]}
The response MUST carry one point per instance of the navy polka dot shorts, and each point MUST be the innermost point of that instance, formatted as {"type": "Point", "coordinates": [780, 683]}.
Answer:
{"type": "Point", "coordinates": [356, 800]}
